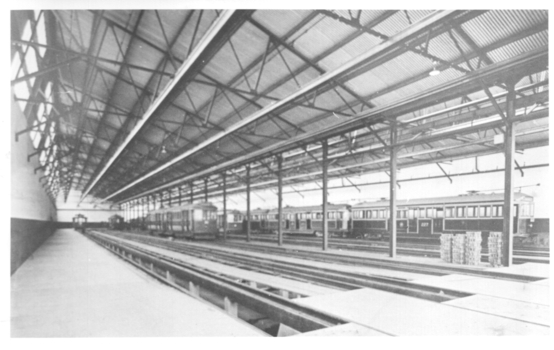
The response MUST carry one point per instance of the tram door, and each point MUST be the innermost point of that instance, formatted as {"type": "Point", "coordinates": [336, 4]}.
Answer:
{"type": "Point", "coordinates": [437, 225]}
{"type": "Point", "coordinates": [424, 227]}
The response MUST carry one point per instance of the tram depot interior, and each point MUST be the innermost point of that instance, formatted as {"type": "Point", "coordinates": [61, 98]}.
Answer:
{"type": "Point", "coordinates": [279, 173]}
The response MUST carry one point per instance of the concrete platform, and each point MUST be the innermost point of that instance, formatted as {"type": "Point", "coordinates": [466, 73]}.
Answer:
{"type": "Point", "coordinates": [344, 330]}
{"type": "Point", "coordinates": [519, 291]}
{"type": "Point", "coordinates": [400, 315]}
{"type": "Point", "coordinates": [71, 287]}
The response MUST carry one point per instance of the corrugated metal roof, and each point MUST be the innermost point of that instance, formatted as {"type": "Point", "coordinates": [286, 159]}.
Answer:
{"type": "Point", "coordinates": [313, 35]}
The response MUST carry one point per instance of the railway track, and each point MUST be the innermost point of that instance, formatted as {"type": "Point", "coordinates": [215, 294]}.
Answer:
{"type": "Point", "coordinates": [521, 255]}
{"type": "Point", "coordinates": [327, 277]}
{"type": "Point", "coordinates": [220, 289]}
{"type": "Point", "coordinates": [330, 257]}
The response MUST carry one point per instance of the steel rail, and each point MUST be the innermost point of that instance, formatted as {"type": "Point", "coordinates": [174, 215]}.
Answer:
{"type": "Point", "coordinates": [320, 275]}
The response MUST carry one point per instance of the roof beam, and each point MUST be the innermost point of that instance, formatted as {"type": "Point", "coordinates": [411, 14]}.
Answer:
{"type": "Point", "coordinates": [530, 62]}
{"type": "Point", "coordinates": [377, 52]}
{"type": "Point", "coordinates": [224, 25]}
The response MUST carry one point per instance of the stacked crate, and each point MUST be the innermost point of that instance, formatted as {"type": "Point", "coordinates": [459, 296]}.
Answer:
{"type": "Point", "coordinates": [495, 248]}
{"type": "Point", "coordinates": [458, 249]}
{"type": "Point", "coordinates": [446, 247]}
{"type": "Point", "coordinates": [472, 249]}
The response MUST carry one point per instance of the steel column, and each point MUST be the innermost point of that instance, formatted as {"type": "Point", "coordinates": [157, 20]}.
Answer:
{"type": "Point", "coordinates": [205, 190]}
{"type": "Point", "coordinates": [280, 199]}
{"type": "Point", "coordinates": [225, 206]}
{"type": "Point", "coordinates": [248, 203]}
{"type": "Point", "coordinates": [325, 148]}
{"type": "Point", "coordinates": [392, 223]}
{"type": "Point", "coordinates": [508, 212]}
{"type": "Point", "coordinates": [191, 192]}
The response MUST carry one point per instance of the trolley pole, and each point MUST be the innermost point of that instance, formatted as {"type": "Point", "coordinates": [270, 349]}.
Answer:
{"type": "Point", "coordinates": [393, 158]}
{"type": "Point", "coordinates": [280, 199]}
{"type": "Point", "coordinates": [324, 219]}
{"type": "Point", "coordinates": [509, 148]}
{"type": "Point", "coordinates": [224, 206]}
{"type": "Point", "coordinates": [248, 203]}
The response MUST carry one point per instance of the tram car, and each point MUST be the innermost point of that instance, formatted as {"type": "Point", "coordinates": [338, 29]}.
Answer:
{"type": "Point", "coordinates": [234, 221]}
{"type": "Point", "coordinates": [431, 216]}
{"type": "Point", "coordinates": [258, 221]}
{"type": "Point", "coordinates": [308, 220]}
{"type": "Point", "coordinates": [80, 222]}
{"type": "Point", "coordinates": [116, 222]}
{"type": "Point", "coordinates": [137, 224]}
{"type": "Point", "coordinates": [194, 221]}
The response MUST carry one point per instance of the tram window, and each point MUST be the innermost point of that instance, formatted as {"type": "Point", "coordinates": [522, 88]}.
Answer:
{"type": "Point", "coordinates": [381, 212]}
{"type": "Point", "coordinates": [341, 215]}
{"type": "Point", "coordinates": [488, 211]}
{"type": "Point", "coordinates": [410, 213]}
{"type": "Point", "coordinates": [449, 212]}
{"type": "Point", "coordinates": [439, 212]}
{"type": "Point", "coordinates": [524, 209]}
{"type": "Point", "coordinates": [197, 214]}
{"type": "Point", "coordinates": [416, 213]}
{"type": "Point", "coordinates": [460, 212]}
{"type": "Point", "coordinates": [471, 212]}
{"type": "Point", "coordinates": [515, 211]}
{"type": "Point", "coordinates": [531, 209]}
{"type": "Point", "coordinates": [481, 211]}
{"type": "Point", "coordinates": [431, 212]}
{"type": "Point", "coordinates": [318, 216]}
{"type": "Point", "coordinates": [421, 212]}
{"type": "Point", "coordinates": [374, 214]}
{"type": "Point", "coordinates": [497, 210]}
{"type": "Point", "coordinates": [387, 214]}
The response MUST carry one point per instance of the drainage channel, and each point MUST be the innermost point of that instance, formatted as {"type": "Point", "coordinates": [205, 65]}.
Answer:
{"type": "Point", "coordinates": [258, 305]}
{"type": "Point", "coordinates": [320, 275]}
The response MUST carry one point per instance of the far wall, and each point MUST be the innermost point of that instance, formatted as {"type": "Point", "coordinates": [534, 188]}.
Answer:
{"type": "Point", "coordinates": [95, 212]}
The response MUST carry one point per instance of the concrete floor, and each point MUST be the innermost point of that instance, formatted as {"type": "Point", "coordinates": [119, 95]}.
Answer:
{"type": "Point", "coordinates": [71, 287]}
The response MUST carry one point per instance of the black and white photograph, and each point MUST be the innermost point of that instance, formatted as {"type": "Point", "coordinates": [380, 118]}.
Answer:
{"type": "Point", "coordinates": [241, 170]}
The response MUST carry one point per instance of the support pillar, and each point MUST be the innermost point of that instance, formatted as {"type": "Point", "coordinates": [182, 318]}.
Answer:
{"type": "Point", "coordinates": [205, 190]}
{"type": "Point", "coordinates": [393, 159]}
{"type": "Point", "coordinates": [280, 200]}
{"type": "Point", "coordinates": [224, 206]}
{"type": "Point", "coordinates": [325, 148]}
{"type": "Point", "coordinates": [509, 149]}
{"type": "Point", "coordinates": [248, 203]}
{"type": "Point", "coordinates": [180, 195]}
{"type": "Point", "coordinates": [192, 192]}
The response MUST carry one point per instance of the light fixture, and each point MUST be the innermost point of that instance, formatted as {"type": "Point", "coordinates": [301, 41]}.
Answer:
{"type": "Point", "coordinates": [435, 71]}
{"type": "Point", "coordinates": [164, 150]}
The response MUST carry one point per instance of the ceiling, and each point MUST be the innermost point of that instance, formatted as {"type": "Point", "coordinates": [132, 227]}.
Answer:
{"type": "Point", "coordinates": [127, 104]}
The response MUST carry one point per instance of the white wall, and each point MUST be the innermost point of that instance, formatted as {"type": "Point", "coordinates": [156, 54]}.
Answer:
{"type": "Point", "coordinates": [95, 212]}
{"type": "Point", "coordinates": [28, 198]}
